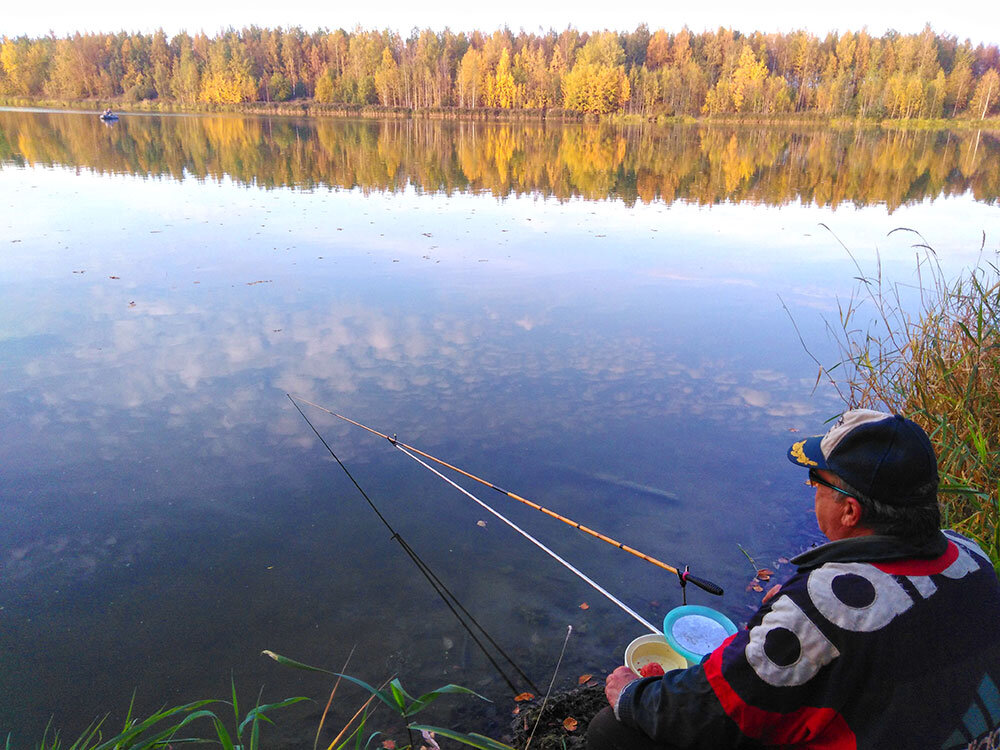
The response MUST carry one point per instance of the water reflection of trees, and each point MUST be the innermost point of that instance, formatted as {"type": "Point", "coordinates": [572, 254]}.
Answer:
{"type": "Point", "coordinates": [693, 163]}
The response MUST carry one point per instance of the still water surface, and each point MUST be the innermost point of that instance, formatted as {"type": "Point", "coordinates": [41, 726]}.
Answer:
{"type": "Point", "coordinates": [589, 317]}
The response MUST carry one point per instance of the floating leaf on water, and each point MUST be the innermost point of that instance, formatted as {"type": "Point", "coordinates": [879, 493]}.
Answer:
{"type": "Point", "coordinates": [765, 574]}
{"type": "Point", "coordinates": [793, 429]}
{"type": "Point", "coordinates": [585, 606]}
{"type": "Point", "coordinates": [584, 678]}
{"type": "Point", "coordinates": [757, 587]}
{"type": "Point", "coordinates": [516, 711]}
{"type": "Point", "coordinates": [114, 277]}
{"type": "Point", "coordinates": [524, 697]}
{"type": "Point", "coordinates": [783, 560]}
{"type": "Point", "coordinates": [481, 523]}
{"type": "Point", "coordinates": [570, 724]}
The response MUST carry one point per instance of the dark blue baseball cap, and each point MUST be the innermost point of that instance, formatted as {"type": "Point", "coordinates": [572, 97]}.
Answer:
{"type": "Point", "coordinates": [883, 456]}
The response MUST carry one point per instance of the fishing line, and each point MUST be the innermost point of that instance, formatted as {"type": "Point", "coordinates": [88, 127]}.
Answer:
{"type": "Point", "coordinates": [446, 595]}
{"type": "Point", "coordinates": [596, 586]}
{"type": "Point", "coordinates": [684, 576]}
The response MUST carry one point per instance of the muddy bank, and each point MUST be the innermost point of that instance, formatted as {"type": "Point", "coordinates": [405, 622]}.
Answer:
{"type": "Point", "coordinates": [563, 722]}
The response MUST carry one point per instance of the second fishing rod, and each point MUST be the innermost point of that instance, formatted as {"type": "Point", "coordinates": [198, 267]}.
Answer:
{"type": "Point", "coordinates": [683, 576]}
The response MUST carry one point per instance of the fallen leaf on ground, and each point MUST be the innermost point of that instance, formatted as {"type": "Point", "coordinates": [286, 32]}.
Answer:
{"type": "Point", "coordinates": [583, 678]}
{"type": "Point", "coordinates": [516, 711]}
{"type": "Point", "coordinates": [585, 606]}
{"type": "Point", "coordinates": [570, 723]}
{"type": "Point", "coordinates": [524, 697]}
{"type": "Point", "coordinates": [389, 744]}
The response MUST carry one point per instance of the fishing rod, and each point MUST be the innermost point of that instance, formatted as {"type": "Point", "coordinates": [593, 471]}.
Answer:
{"type": "Point", "coordinates": [446, 595]}
{"type": "Point", "coordinates": [683, 576]}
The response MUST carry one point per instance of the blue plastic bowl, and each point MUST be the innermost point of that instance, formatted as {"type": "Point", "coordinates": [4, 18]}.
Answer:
{"type": "Point", "coordinates": [689, 634]}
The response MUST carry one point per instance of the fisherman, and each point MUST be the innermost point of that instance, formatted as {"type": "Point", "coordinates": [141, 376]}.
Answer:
{"type": "Point", "coordinates": [887, 636]}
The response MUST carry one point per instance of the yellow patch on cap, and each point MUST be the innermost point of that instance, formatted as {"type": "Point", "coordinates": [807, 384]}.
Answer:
{"type": "Point", "coordinates": [799, 455]}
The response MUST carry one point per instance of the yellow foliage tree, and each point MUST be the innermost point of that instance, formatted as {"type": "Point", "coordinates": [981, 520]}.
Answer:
{"type": "Point", "coordinates": [597, 84]}
{"type": "Point", "coordinates": [228, 79]}
{"type": "Point", "coordinates": [387, 80]}
{"type": "Point", "coordinates": [502, 91]}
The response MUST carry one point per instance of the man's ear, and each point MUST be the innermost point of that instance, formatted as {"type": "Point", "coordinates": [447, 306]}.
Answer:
{"type": "Point", "coordinates": [850, 514]}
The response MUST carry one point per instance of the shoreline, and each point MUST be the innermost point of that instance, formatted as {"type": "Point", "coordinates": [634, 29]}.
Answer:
{"type": "Point", "coordinates": [312, 109]}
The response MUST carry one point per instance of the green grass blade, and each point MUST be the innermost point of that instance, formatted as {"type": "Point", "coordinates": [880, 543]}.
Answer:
{"type": "Point", "coordinates": [284, 660]}
{"type": "Point", "coordinates": [262, 710]}
{"type": "Point", "coordinates": [399, 696]}
{"type": "Point", "coordinates": [422, 702]}
{"type": "Point", "coordinates": [223, 734]}
{"type": "Point", "coordinates": [236, 705]}
{"type": "Point", "coordinates": [255, 732]}
{"type": "Point", "coordinates": [473, 739]}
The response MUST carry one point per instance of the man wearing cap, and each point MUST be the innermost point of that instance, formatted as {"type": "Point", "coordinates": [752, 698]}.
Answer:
{"type": "Point", "coordinates": [888, 636]}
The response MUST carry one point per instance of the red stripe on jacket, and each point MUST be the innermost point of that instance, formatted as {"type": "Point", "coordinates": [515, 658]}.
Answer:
{"type": "Point", "coordinates": [919, 567]}
{"type": "Point", "coordinates": [805, 727]}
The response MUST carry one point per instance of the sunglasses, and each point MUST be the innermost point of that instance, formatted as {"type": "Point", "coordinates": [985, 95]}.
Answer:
{"type": "Point", "coordinates": [815, 480]}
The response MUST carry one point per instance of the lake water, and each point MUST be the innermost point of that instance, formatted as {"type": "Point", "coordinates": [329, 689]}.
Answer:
{"type": "Point", "coordinates": [590, 317]}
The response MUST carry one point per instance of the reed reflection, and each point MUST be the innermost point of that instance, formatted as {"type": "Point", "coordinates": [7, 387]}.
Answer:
{"type": "Point", "coordinates": [700, 164]}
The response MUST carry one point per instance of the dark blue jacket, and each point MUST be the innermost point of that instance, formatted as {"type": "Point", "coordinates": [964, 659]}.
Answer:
{"type": "Point", "coordinates": [872, 643]}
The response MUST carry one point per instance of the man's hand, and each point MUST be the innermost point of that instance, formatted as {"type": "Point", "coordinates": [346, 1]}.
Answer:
{"type": "Point", "coordinates": [616, 682]}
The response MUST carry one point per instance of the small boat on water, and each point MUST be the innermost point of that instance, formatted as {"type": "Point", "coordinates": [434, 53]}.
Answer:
{"type": "Point", "coordinates": [108, 116]}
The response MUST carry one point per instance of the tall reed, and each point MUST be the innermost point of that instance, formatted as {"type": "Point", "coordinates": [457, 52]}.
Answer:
{"type": "Point", "coordinates": [937, 361]}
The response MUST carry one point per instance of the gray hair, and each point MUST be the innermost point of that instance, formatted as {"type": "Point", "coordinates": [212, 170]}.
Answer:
{"type": "Point", "coordinates": [915, 517]}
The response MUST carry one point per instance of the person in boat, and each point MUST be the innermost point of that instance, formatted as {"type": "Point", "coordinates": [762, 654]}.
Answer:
{"type": "Point", "coordinates": [887, 636]}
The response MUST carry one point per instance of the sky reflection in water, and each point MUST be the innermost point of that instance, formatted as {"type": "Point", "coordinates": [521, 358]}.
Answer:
{"type": "Point", "coordinates": [167, 514]}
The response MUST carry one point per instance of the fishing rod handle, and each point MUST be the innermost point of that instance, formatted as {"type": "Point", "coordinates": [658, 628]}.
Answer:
{"type": "Point", "coordinates": [712, 588]}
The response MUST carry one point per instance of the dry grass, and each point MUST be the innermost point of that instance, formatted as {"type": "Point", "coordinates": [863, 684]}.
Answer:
{"type": "Point", "coordinates": [938, 364]}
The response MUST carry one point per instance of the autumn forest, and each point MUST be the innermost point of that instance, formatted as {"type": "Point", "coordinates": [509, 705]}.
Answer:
{"type": "Point", "coordinates": [643, 73]}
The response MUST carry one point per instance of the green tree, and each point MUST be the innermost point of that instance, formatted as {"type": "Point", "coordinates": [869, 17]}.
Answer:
{"type": "Point", "coordinates": [279, 88]}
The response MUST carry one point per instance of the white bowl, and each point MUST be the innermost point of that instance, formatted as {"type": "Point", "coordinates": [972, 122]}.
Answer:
{"type": "Point", "coordinates": [647, 649]}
